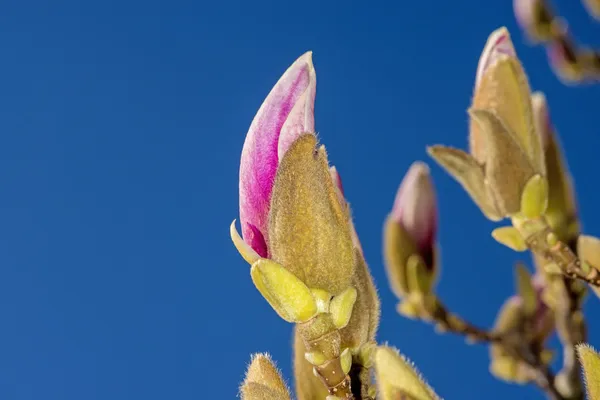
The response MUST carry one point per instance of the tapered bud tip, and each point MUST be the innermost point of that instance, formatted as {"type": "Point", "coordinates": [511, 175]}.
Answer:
{"type": "Point", "coordinates": [498, 46]}
{"type": "Point", "coordinates": [337, 179]}
{"type": "Point", "coordinates": [415, 207]}
{"type": "Point", "coordinates": [542, 117]}
{"type": "Point", "coordinates": [286, 113]}
{"type": "Point", "coordinates": [301, 118]}
{"type": "Point", "coordinates": [397, 377]}
{"type": "Point", "coordinates": [263, 381]}
{"type": "Point", "coordinates": [263, 370]}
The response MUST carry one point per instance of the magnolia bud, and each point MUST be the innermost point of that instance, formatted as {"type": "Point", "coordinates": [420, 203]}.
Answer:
{"type": "Point", "coordinates": [396, 376]}
{"type": "Point", "coordinates": [590, 361]}
{"type": "Point", "coordinates": [410, 234]}
{"type": "Point", "coordinates": [504, 173]}
{"type": "Point", "coordinates": [263, 381]}
{"type": "Point", "coordinates": [536, 19]}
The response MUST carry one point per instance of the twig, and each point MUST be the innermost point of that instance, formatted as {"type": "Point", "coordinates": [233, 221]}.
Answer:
{"type": "Point", "coordinates": [542, 376]}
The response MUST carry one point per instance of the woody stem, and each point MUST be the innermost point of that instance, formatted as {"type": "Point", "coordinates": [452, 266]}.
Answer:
{"type": "Point", "coordinates": [543, 377]}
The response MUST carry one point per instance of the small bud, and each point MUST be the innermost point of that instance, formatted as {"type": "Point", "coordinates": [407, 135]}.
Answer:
{"type": "Point", "coordinates": [534, 199]}
{"type": "Point", "coordinates": [341, 307]}
{"type": "Point", "coordinates": [263, 381]}
{"type": "Point", "coordinates": [505, 148]}
{"type": "Point", "coordinates": [415, 208]}
{"type": "Point", "coordinates": [536, 19]}
{"type": "Point", "coordinates": [346, 360]}
{"type": "Point", "coordinates": [590, 361]}
{"type": "Point", "coordinates": [510, 237]}
{"type": "Point", "coordinates": [395, 374]}
{"type": "Point", "coordinates": [410, 234]}
{"type": "Point", "coordinates": [287, 294]}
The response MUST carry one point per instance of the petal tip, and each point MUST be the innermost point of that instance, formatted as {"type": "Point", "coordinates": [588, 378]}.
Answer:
{"type": "Point", "coordinates": [498, 46]}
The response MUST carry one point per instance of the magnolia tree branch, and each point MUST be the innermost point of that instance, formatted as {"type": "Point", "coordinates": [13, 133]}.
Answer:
{"type": "Point", "coordinates": [541, 375]}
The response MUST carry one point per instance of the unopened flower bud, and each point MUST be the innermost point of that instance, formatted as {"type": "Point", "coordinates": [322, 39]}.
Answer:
{"type": "Point", "coordinates": [397, 377]}
{"type": "Point", "coordinates": [263, 381]}
{"type": "Point", "coordinates": [410, 234]}
{"type": "Point", "coordinates": [590, 361]}
{"type": "Point", "coordinates": [505, 172]}
{"type": "Point", "coordinates": [536, 19]}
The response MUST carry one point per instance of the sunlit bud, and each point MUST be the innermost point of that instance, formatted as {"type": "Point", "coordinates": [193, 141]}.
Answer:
{"type": "Point", "coordinates": [396, 376]}
{"type": "Point", "coordinates": [590, 361]}
{"type": "Point", "coordinates": [504, 173]}
{"type": "Point", "coordinates": [415, 209]}
{"type": "Point", "coordinates": [410, 234]}
{"type": "Point", "coordinates": [287, 112]}
{"type": "Point", "coordinates": [263, 381]}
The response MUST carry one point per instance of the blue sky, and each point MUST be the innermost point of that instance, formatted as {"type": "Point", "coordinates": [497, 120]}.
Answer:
{"type": "Point", "coordinates": [121, 126]}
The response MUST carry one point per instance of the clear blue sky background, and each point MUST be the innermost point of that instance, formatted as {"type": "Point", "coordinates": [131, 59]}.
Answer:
{"type": "Point", "coordinates": [121, 126]}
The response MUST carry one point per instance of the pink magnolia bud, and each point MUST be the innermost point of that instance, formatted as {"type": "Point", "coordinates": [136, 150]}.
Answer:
{"type": "Point", "coordinates": [415, 209]}
{"type": "Point", "coordinates": [536, 19]}
{"type": "Point", "coordinates": [286, 113]}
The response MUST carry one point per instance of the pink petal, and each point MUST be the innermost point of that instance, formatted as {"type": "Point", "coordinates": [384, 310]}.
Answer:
{"type": "Point", "coordinates": [415, 207]}
{"type": "Point", "coordinates": [301, 119]}
{"type": "Point", "coordinates": [498, 46]}
{"type": "Point", "coordinates": [259, 159]}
